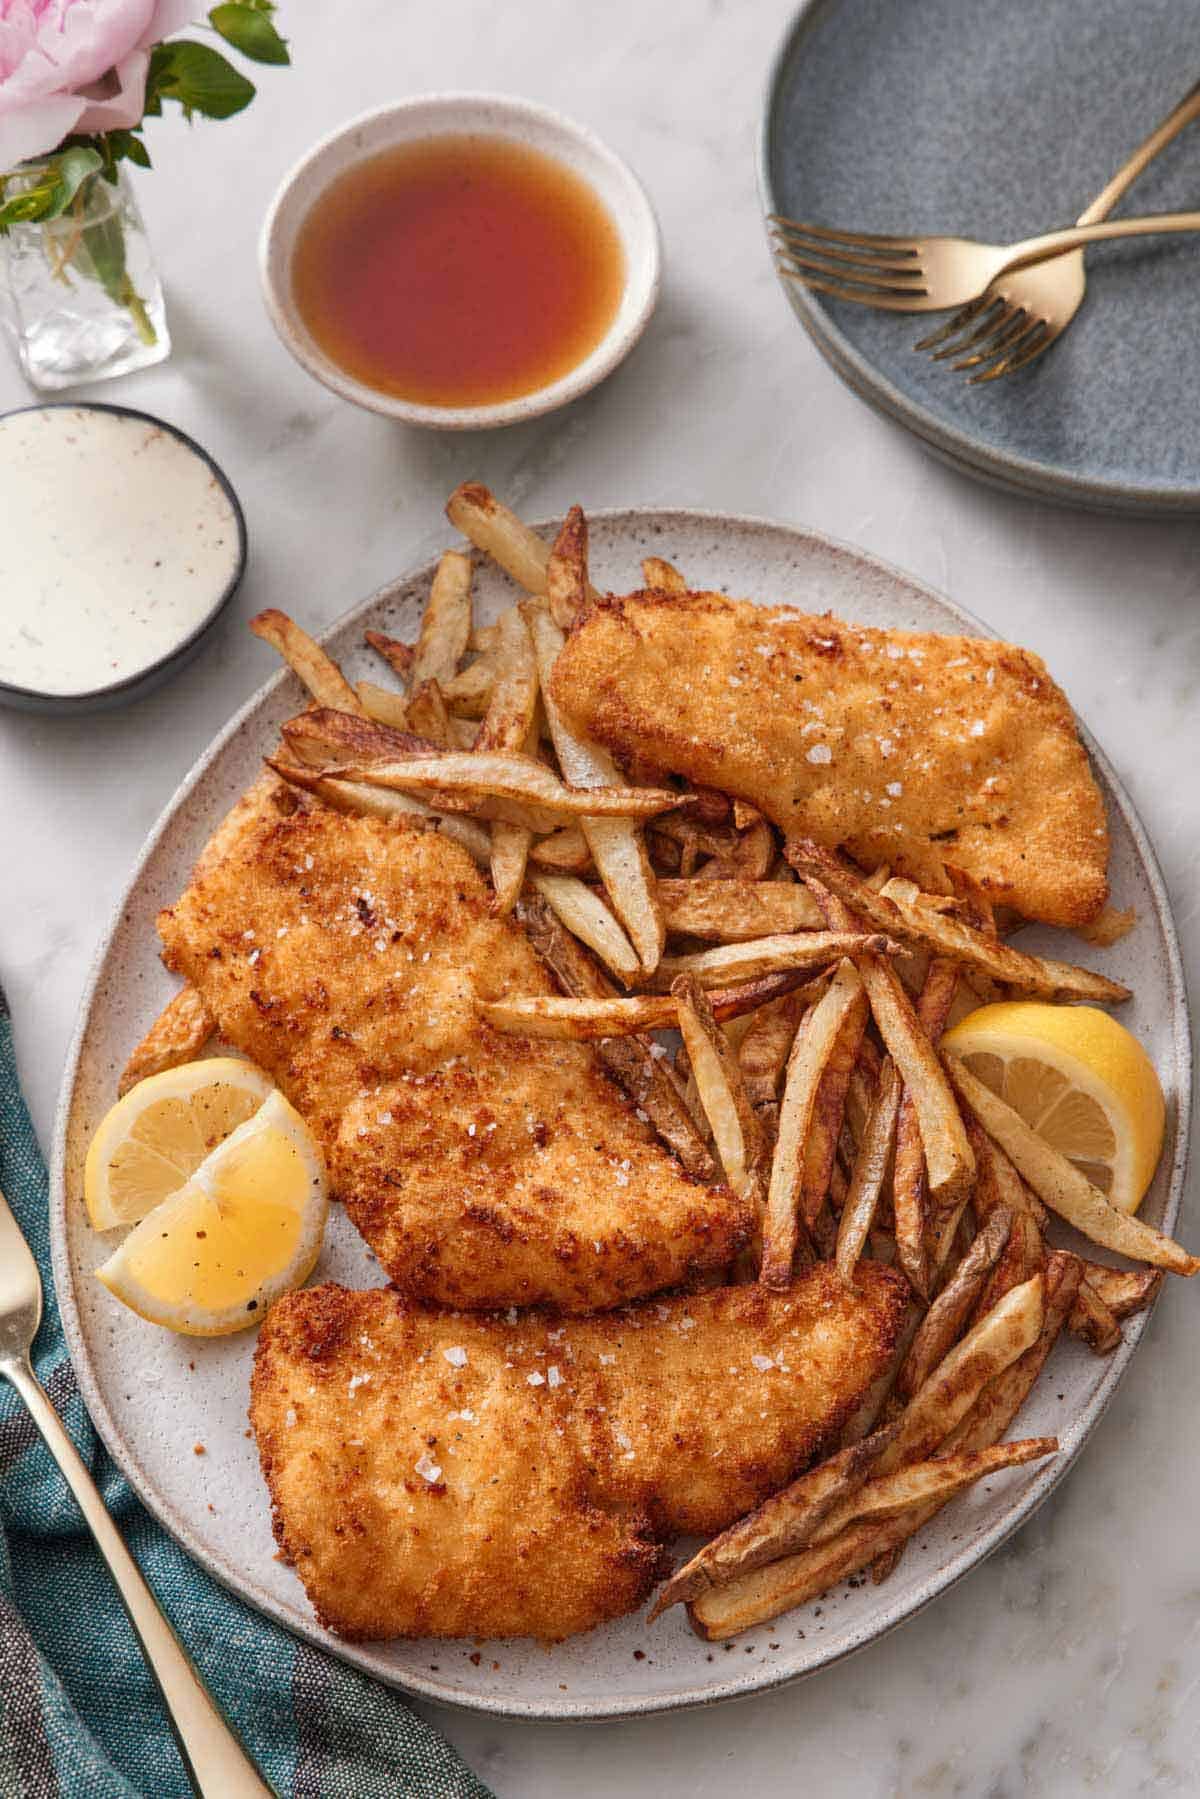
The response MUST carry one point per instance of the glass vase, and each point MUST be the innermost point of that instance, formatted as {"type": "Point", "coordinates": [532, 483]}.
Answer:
{"type": "Point", "coordinates": [82, 298]}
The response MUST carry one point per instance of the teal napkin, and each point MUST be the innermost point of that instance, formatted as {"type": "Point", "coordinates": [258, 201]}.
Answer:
{"type": "Point", "coordinates": [79, 1713]}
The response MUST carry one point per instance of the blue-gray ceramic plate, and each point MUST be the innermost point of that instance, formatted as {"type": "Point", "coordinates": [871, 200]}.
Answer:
{"type": "Point", "coordinates": [995, 122]}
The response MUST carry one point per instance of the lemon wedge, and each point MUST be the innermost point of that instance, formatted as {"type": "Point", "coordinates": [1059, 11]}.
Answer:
{"type": "Point", "coordinates": [241, 1231]}
{"type": "Point", "coordinates": [157, 1136]}
{"type": "Point", "coordinates": [1080, 1080]}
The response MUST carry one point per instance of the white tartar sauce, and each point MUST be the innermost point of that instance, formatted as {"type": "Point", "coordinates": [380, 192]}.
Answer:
{"type": "Point", "coordinates": [116, 543]}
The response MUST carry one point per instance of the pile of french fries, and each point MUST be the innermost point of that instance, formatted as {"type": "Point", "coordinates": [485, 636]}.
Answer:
{"type": "Point", "coordinates": [807, 1000]}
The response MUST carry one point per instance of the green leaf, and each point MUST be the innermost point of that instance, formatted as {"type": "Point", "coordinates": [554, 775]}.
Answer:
{"type": "Point", "coordinates": [199, 78]}
{"type": "Point", "coordinates": [249, 29]}
{"type": "Point", "coordinates": [73, 167]}
{"type": "Point", "coordinates": [128, 146]}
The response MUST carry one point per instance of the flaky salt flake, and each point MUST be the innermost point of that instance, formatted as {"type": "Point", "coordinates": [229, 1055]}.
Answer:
{"type": "Point", "coordinates": [553, 1377]}
{"type": "Point", "coordinates": [289, 1417]}
{"type": "Point", "coordinates": [895, 789]}
{"type": "Point", "coordinates": [357, 1381]}
{"type": "Point", "coordinates": [606, 1360]}
{"type": "Point", "coordinates": [456, 1356]}
{"type": "Point", "coordinates": [818, 753]}
{"type": "Point", "coordinates": [428, 1469]}
{"type": "Point", "coordinates": [536, 1379]}
{"type": "Point", "coordinates": [762, 1362]}
{"type": "Point", "coordinates": [308, 861]}
{"type": "Point", "coordinates": [977, 728]}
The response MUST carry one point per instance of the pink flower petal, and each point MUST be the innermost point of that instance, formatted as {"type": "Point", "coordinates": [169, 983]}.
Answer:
{"type": "Point", "coordinates": [37, 128]}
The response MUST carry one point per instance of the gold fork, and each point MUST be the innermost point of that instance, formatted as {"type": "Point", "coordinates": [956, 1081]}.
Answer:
{"type": "Point", "coordinates": [217, 1765]}
{"type": "Point", "coordinates": [933, 274]}
{"type": "Point", "coordinates": [1018, 317]}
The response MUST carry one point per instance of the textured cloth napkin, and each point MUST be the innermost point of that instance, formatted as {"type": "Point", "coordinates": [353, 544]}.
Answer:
{"type": "Point", "coordinates": [79, 1713]}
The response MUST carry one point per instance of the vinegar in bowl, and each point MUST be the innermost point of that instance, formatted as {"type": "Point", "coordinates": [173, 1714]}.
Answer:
{"type": "Point", "coordinates": [460, 270]}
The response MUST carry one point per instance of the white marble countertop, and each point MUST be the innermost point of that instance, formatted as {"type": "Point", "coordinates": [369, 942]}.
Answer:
{"type": "Point", "coordinates": [1069, 1662]}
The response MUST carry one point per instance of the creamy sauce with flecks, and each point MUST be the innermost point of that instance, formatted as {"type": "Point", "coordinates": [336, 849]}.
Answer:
{"type": "Point", "coordinates": [116, 543]}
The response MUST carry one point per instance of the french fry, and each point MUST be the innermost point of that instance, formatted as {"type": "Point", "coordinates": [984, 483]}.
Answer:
{"type": "Point", "coordinates": [427, 715]}
{"type": "Point", "coordinates": [949, 1391]}
{"type": "Point", "coordinates": [949, 1311]}
{"type": "Point", "coordinates": [468, 693]}
{"type": "Point", "coordinates": [331, 735]}
{"type": "Point", "coordinates": [512, 777]}
{"type": "Point", "coordinates": [564, 851]}
{"type": "Point", "coordinates": [356, 797]}
{"type": "Point", "coordinates": [1093, 1321]}
{"type": "Point", "coordinates": [512, 706]}
{"type": "Point", "coordinates": [635, 1062]}
{"type": "Point", "coordinates": [491, 527]}
{"type": "Point", "coordinates": [736, 1130]}
{"type": "Point", "coordinates": [1060, 1184]}
{"type": "Point", "coordinates": [383, 704]}
{"type": "Point", "coordinates": [1006, 1393]}
{"type": "Point", "coordinates": [909, 1185]}
{"type": "Point", "coordinates": [177, 1036]}
{"type": "Point", "coordinates": [397, 655]}
{"type": "Point", "coordinates": [764, 955]}
{"type": "Point", "coordinates": [305, 657]}
{"type": "Point", "coordinates": [764, 1050]}
{"type": "Point", "coordinates": [784, 1224]}
{"type": "Point", "coordinates": [782, 1524]}
{"type": "Point", "coordinates": [618, 847]}
{"type": "Point", "coordinates": [446, 622]}
{"type": "Point", "coordinates": [1124, 1291]}
{"type": "Point", "coordinates": [904, 915]}
{"type": "Point", "coordinates": [949, 1162]}
{"type": "Point", "coordinates": [567, 571]}
{"type": "Point", "coordinates": [748, 857]}
{"type": "Point", "coordinates": [588, 1020]}
{"type": "Point", "coordinates": [661, 576]}
{"type": "Point", "coordinates": [820, 1147]}
{"type": "Point", "coordinates": [735, 911]}
{"type": "Point", "coordinates": [870, 1171]}
{"type": "Point", "coordinates": [585, 914]}
{"type": "Point", "coordinates": [883, 1514]}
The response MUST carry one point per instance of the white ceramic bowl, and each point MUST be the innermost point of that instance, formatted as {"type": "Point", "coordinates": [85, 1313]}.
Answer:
{"type": "Point", "coordinates": [440, 115]}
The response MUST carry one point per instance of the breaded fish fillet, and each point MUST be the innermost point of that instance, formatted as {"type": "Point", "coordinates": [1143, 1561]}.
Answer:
{"type": "Point", "coordinates": [435, 1474]}
{"type": "Point", "coordinates": [911, 750]}
{"type": "Point", "coordinates": [345, 956]}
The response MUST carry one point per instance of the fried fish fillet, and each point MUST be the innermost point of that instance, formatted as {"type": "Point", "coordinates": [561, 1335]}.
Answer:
{"type": "Point", "coordinates": [908, 749]}
{"type": "Point", "coordinates": [436, 1474]}
{"type": "Point", "coordinates": [345, 956]}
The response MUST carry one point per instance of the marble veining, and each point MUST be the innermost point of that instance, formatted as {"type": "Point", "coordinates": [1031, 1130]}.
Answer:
{"type": "Point", "coordinates": [1068, 1663]}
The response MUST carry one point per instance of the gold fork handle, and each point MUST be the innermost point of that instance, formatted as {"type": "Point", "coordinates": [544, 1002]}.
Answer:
{"type": "Point", "coordinates": [216, 1763]}
{"type": "Point", "coordinates": [1053, 243]}
{"type": "Point", "coordinates": [1187, 110]}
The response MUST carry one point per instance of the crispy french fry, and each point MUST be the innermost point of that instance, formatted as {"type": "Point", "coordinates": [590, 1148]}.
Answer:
{"type": "Point", "coordinates": [491, 527]}
{"type": "Point", "coordinates": [748, 857]}
{"type": "Point", "coordinates": [397, 655]}
{"type": "Point", "coordinates": [446, 623]}
{"type": "Point", "coordinates": [587, 1020]}
{"type": "Point", "coordinates": [784, 1224]}
{"type": "Point", "coordinates": [778, 1527]}
{"type": "Point", "coordinates": [946, 1315]}
{"type": "Point", "coordinates": [584, 913]}
{"type": "Point", "coordinates": [510, 716]}
{"type": "Point", "coordinates": [883, 1514]}
{"type": "Point", "coordinates": [764, 955]}
{"type": "Point", "coordinates": [904, 915]}
{"type": "Point", "coordinates": [1060, 1184]}
{"type": "Point", "coordinates": [428, 717]}
{"type": "Point", "coordinates": [870, 1171]}
{"type": "Point", "coordinates": [567, 570]}
{"type": "Point", "coordinates": [736, 1130]}
{"type": "Point", "coordinates": [1006, 1393]}
{"type": "Point", "coordinates": [513, 777]}
{"type": "Point", "coordinates": [764, 1050]}
{"type": "Point", "coordinates": [356, 797]}
{"type": "Point", "coordinates": [177, 1036]}
{"type": "Point", "coordinates": [618, 847]}
{"type": "Point", "coordinates": [949, 1162]}
{"type": "Point", "coordinates": [383, 704]}
{"type": "Point", "coordinates": [661, 576]}
{"type": "Point", "coordinates": [565, 851]}
{"type": "Point", "coordinates": [305, 657]}
{"type": "Point", "coordinates": [1093, 1322]}
{"type": "Point", "coordinates": [328, 734]}
{"type": "Point", "coordinates": [909, 1185]}
{"type": "Point", "coordinates": [468, 693]}
{"type": "Point", "coordinates": [1124, 1291]}
{"type": "Point", "coordinates": [949, 1391]}
{"type": "Point", "coordinates": [635, 1062]}
{"type": "Point", "coordinates": [820, 1148]}
{"type": "Point", "coordinates": [735, 911]}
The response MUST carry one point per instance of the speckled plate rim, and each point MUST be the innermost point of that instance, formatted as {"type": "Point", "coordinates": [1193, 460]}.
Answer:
{"type": "Point", "coordinates": [1023, 475]}
{"type": "Point", "coordinates": [761, 1678]}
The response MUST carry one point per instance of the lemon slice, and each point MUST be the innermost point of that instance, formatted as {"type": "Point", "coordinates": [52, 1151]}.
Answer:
{"type": "Point", "coordinates": [1080, 1080]}
{"type": "Point", "coordinates": [158, 1135]}
{"type": "Point", "coordinates": [244, 1229]}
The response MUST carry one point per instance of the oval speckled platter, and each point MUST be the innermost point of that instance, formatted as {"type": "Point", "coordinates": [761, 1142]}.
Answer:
{"type": "Point", "coordinates": [189, 1392]}
{"type": "Point", "coordinates": [993, 122]}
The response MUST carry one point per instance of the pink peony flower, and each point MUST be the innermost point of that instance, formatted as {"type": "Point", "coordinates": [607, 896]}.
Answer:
{"type": "Point", "coordinates": [76, 65]}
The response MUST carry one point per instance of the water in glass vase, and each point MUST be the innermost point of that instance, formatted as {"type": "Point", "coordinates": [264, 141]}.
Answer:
{"type": "Point", "coordinates": [82, 299]}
